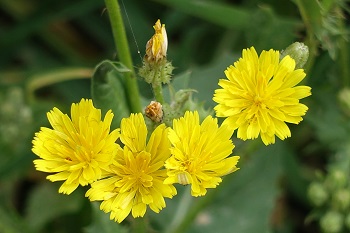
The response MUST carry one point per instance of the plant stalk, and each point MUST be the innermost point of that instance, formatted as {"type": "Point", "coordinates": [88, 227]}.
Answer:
{"type": "Point", "coordinates": [122, 46]}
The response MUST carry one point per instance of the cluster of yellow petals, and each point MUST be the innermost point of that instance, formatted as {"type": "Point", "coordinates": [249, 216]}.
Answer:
{"type": "Point", "coordinates": [127, 179]}
{"type": "Point", "coordinates": [261, 94]}
{"type": "Point", "coordinates": [200, 153]}
{"type": "Point", "coordinates": [136, 177]}
{"type": "Point", "coordinates": [76, 150]}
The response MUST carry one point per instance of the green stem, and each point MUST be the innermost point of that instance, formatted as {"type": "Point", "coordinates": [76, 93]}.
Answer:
{"type": "Point", "coordinates": [309, 17]}
{"type": "Point", "coordinates": [187, 219]}
{"type": "Point", "coordinates": [122, 47]}
{"type": "Point", "coordinates": [183, 207]}
{"type": "Point", "coordinates": [158, 93]}
{"type": "Point", "coordinates": [344, 59]}
{"type": "Point", "coordinates": [139, 225]}
{"type": "Point", "coordinates": [49, 78]}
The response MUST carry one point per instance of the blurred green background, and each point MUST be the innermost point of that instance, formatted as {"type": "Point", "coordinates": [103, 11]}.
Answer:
{"type": "Point", "coordinates": [48, 53]}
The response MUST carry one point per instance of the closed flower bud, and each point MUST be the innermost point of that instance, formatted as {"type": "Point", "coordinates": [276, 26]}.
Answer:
{"type": "Point", "coordinates": [344, 99]}
{"type": "Point", "coordinates": [156, 69]}
{"type": "Point", "coordinates": [341, 199]}
{"type": "Point", "coordinates": [299, 52]}
{"type": "Point", "coordinates": [332, 222]}
{"type": "Point", "coordinates": [157, 46]}
{"type": "Point", "coordinates": [317, 194]}
{"type": "Point", "coordinates": [154, 111]}
{"type": "Point", "coordinates": [336, 179]}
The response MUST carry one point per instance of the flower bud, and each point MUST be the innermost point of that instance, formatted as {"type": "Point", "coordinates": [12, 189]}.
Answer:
{"type": "Point", "coordinates": [317, 194]}
{"type": "Point", "coordinates": [156, 47]}
{"type": "Point", "coordinates": [299, 52]}
{"type": "Point", "coordinates": [332, 222]}
{"type": "Point", "coordinates": [156, 68]}
{"type": "Point", "coordinates": [341, 199]}
{"type": "Point", "coordinates": [154, 111]}
{"type": "Point", "coordinates": [336, 179]}
{"type": "Point", "coordinates": [344, 99]}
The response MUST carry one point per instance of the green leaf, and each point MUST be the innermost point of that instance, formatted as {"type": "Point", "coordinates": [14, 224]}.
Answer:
{"type": "Point", "coordinates": [247, 197]}
{"type": "Point", "coordinates": [278, 32]}
{"type": "Point", "coordinates": [45, 204]}
{"type": "Point", "coordinates": [203, 79]}
{"type": "Point", "coordinates": [108, 90]}
{"type": "Point", "coordinates": [212, 11]}
{"type": "Point", "coordinates": [242, 203]}
{"type": "Point", "coordinates": [102, 223]}
{"type": "Point", "coordinates": [10, 222]}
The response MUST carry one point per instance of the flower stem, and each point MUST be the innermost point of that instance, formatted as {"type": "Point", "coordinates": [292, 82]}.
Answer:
{"type": "Point", "coordinates": [343, 52]}
{"type": "Point", "coordinates": [122, 46]}
{"type": "Point", "coordinates": [139, 225]}
{"type": "Point", "coordinates": [309, 13]}
{"type": "Point", "coordinates": [182, 208]}
{"type": "Point", "coordinates": [158, 93]}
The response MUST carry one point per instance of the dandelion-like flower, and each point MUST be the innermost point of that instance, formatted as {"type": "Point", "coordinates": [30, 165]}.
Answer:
{"type": "Point", "coordinates": [156, 47]}
{"type": "Point", "coordinates": [77, 150]}
{"type": "Point", "coordinates": [200, 153]}
{"type": "Point", "coordinates": [137, 174]}
{"type": "Point", "coordinates": [261, 94]}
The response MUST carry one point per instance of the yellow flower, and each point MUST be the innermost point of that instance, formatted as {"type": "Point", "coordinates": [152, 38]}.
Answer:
{"type": "Point", "coordinates": [137, 174]}
{"type": "Point", "coordinates": [157, 46]}
{"type": "Point", "coordinates": [77, 150]}
{"type": "Point", "coordinates": [199, 153]}
{"type": "Point", "coordinates": [261, 95]}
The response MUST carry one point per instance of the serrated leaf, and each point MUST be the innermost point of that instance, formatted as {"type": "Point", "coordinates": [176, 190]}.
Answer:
{"type": "Point", "coordinates": [108, 92]}
{"type": "Point", "coordinates": [102, 223]}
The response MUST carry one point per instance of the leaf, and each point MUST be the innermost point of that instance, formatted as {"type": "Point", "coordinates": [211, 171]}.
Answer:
{"type": "Point", "coordinates": [102, 223]}
{"type": "Point", "coordinates": [213, 12]}
{"type": "Point", "coordinates": [45, 204]}
{"type": "Point", "coordinates": [278, 32]}
{"type": "Point", "coordinates": [247, 197]}
{"type": "Point", "coordinates": [10, 222]}
{"type": "Point", "coordinates": [242, 203]}
{"type": "Point", "coordinates": [108, 92]}
{"type": "Point", "coordinates": [202, 79]}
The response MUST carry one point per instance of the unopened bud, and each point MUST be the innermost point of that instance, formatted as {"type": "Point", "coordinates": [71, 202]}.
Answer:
{"type": "Point", "coordinates": [344, 99]}
{"type": "Point", "coordinates": [332, 222]}
{"type": "Point", "coordinates": [317, 194]}
{"type": "Point", "coordinates": [299, 52]}
{"type": "Point", "coordinates": [336, 179]}
{"type": "Point", "coordinates": [154, 111]}
{"type": "Point", "coordinates": [156, 69]}
{"type": "Point", "coordinates": [341, 199]}
{"type": "Point", "coordinates": [156, 47]}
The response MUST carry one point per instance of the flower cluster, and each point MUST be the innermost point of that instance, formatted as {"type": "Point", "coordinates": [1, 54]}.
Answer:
{"type": "Point", "coordinates": [138, 172]}
{"type": "Point", "coordinates": [130, 169]}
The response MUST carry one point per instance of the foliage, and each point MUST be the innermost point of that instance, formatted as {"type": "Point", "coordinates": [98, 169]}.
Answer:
{"type": "Point", "coordinates": [51, 48]}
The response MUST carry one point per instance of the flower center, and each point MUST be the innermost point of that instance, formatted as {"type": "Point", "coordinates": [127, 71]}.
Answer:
{"type": "Point", "coordinates": [259, 102]}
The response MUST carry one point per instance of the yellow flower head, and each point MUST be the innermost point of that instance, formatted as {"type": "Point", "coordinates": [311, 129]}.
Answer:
{"type": "Point", "coordinates": [137, 174]}
{"type": "Point", "coordinates": [157, 46]}
{"type": "Point", "coordinates": [77, 150]}
{"type": "Point", "coordinates": [199, 153]}
{"type": "Point", "coordinates": [260, 95]}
